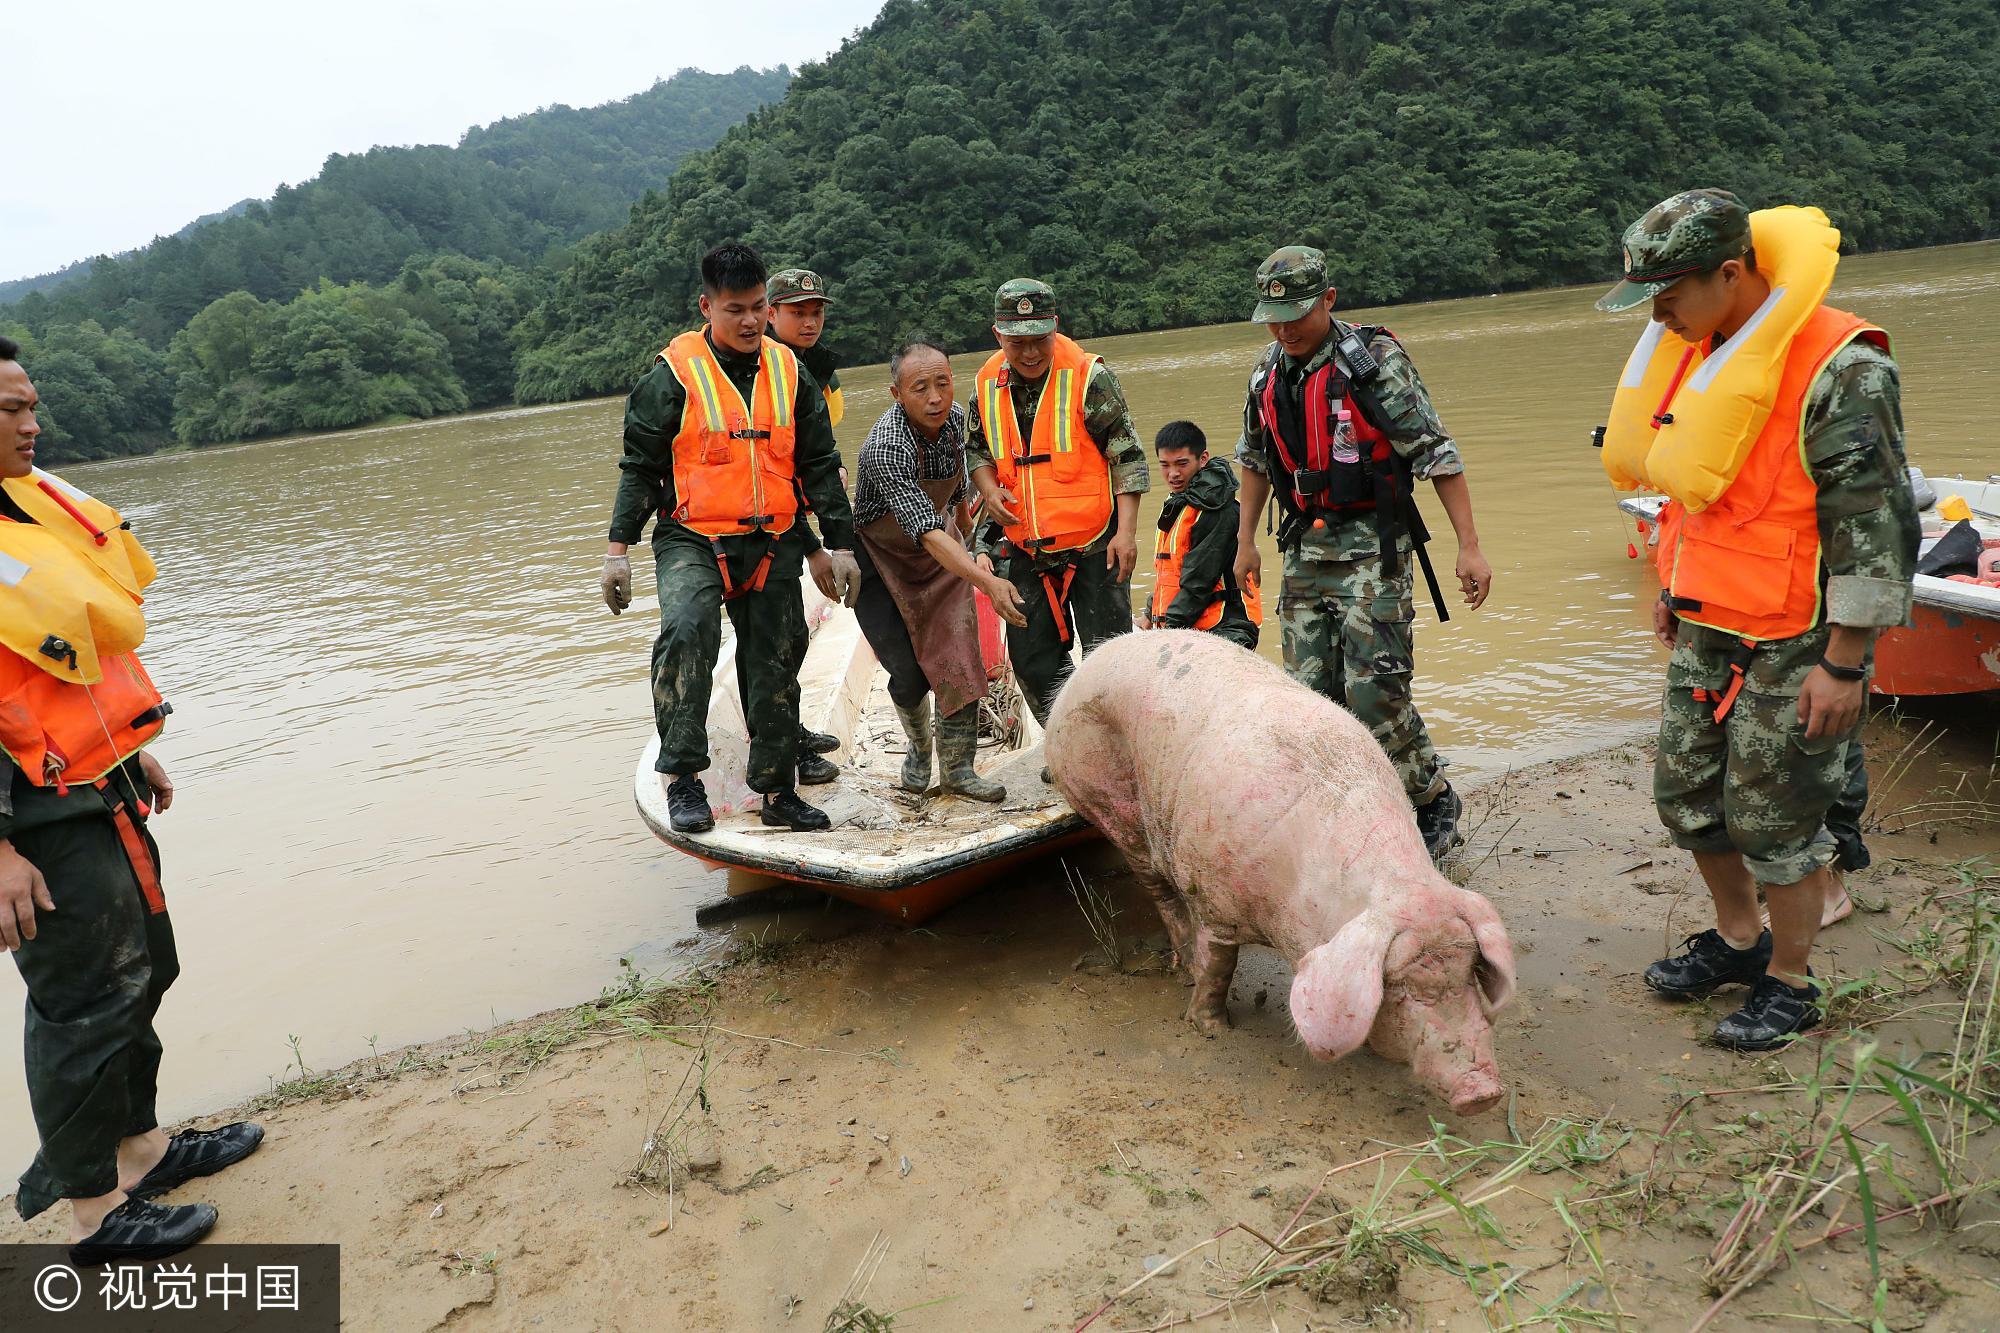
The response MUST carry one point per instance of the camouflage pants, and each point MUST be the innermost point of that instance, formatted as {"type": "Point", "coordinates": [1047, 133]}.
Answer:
{"type": "Point", "coordinates": [1097, 607]}
{"type": "Point", "coordinates": [1347, 635]}
{"type": "Point", "coordinates": [770, 647]}
{"type": "Point", "coordinates": [1752, 783]}
{"type": "Point", "coordinates": [95, 971]}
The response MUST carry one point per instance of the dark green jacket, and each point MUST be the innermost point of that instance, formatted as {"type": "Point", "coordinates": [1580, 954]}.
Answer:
{"type": "Point", "coordinates": [1211, 549]}
{"type": "Point", "coordinates": [646, 472]}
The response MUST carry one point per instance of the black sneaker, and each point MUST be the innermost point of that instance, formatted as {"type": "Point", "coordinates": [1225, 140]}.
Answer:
{"type": "Point", "coordinates": [817, 742]}
{"type": "Point", "coordinates": [199, 1152]}
{"type": "Point", "coordinates": [1705, 962]}
{"type": "Point", "coordinates": [1774, 1014]}
{"type": "Point", "coordinates": [136, 1230]}
{"type": "Point", "coordinates": [814, 770]}
{"type": "Point", "coordinates": [687, 805]}
{"type": "Point", "coordinates": [1438, 822]}
{"type": "Point", "coordinates": [784, 809]}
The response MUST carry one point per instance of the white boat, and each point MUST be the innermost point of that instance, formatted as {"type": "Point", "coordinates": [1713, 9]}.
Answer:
{"type": "Point", "coordinates": [904, 855]}
{"type": "Point", "coordinates": [1952, 643]}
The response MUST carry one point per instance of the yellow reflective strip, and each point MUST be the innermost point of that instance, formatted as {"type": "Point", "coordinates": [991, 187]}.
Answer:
{"type": "Point", "coordinates": [989, 407]}
{"type": "Point", "coordinates": [782, 390]}
{"type": "Point", "coordinates": [1059, 391]}
{"type": "Point", "coordinates": [711, 399]}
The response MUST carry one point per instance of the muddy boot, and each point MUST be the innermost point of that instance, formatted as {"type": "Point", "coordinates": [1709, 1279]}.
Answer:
{"type": "Point", "coordinates": [916, 720]}
{"type": "Point", "coordinates": [1437, 820]}
{"type": "Point", "coordinates": [957, 742]}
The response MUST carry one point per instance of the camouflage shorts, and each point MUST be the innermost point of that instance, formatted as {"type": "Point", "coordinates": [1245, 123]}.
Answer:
{"type": "Point", "coordinates": [1752, 783]}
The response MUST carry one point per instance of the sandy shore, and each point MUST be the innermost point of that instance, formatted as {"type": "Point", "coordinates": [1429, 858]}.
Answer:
{"type": "Point", "coordinates": [987, 1124]}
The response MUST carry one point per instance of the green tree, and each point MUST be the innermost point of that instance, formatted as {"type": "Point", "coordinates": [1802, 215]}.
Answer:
{"type": "Point", "coordinates": [1144, 155]}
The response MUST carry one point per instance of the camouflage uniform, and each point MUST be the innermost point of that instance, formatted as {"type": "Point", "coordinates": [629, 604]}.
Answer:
{"type": "Point", "coordinates": [769, 625]}
{"type": "Point", "coordinates": [1099, 605]}
{"type": "Point", "coordinates": [1755, 784]}
{"type": "Point", "coordinates": [1346, 623]}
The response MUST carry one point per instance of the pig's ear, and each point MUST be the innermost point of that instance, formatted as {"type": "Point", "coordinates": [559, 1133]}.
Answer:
{"type": "Point", "coordinates": [1338, 987]}
{"type": "Point", "coordinates": [1496, 952]}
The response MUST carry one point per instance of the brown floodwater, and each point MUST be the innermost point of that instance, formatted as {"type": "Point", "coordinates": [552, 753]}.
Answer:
{"type": "Point", "coordinates": [405, 727]}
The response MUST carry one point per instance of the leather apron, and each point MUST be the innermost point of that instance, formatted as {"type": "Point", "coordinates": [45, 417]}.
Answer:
{"type": "Point", "coordinates": [936, 605]}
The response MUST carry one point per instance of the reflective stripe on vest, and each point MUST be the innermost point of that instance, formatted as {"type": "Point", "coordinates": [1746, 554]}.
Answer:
{"type": "Point", "coordinates": [734, 470]}
{"type": "Point", "coordinates": [1059, 478]}
{"type": "Point", "coordinates": [1172, 554]}
{"type": "Point", "coordinates": [1749, 563]}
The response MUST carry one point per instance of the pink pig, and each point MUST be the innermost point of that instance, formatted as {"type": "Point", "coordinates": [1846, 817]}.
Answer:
{"type": "Point", "coordinates": [1257, 812]}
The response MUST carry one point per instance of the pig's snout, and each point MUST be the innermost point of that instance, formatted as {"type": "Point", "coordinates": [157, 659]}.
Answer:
{"type": "Point", "coordinates": [1453, 1056]}
{"type": "Point", "coordinates": [1476, 1091]}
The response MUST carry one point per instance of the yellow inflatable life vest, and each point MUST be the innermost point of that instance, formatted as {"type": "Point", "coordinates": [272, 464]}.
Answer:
{"type": "Point", "coordinates": [1683, 422]}
{"type": "Point", "coordinates": [70, 581]}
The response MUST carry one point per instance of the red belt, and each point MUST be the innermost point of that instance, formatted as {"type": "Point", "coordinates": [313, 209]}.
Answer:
{"type": "Point", "coordinates": [144, 868]}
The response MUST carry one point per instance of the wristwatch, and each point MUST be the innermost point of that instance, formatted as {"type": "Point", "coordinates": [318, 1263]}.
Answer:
{"type": "Point", "coordinates": [1839, 672]}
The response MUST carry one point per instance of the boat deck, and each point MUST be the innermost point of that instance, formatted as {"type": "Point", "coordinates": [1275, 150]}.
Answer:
{"type": "Point", "coordinates": [883, 840]}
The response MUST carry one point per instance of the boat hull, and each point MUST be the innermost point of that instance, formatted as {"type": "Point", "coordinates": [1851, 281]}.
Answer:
{"type": "Point", "coordinates": [1939, 652]}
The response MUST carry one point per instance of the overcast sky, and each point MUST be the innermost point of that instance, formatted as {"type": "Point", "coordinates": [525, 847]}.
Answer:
{"type": "Point", "coordinates": [132, 119]}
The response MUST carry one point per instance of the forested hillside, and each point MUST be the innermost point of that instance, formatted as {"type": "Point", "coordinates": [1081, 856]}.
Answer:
{"type": "Point", "coordinates": [1144, 155]}
{"type": "Point", "coordinates": [386, 285]}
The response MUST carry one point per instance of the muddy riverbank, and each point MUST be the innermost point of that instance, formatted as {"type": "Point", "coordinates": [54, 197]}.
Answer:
{"type": "Point", "coordinates": [1000, 1128]}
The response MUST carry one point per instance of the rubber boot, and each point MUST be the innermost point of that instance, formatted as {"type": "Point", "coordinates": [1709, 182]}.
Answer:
{"type": "Point", "coordinates": [916, 720]}
{"type": "Point", "coordinates": [957, 742]}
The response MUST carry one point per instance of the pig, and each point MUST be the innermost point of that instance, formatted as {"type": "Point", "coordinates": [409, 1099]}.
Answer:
{"type": "Point", "coordinates": [1254, 811]}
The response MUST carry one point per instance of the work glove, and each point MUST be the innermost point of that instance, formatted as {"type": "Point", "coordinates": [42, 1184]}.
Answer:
{"type": "Point", "coordinates": [617, 582]}
{"type": "Point", "coordinates": [846, 577]}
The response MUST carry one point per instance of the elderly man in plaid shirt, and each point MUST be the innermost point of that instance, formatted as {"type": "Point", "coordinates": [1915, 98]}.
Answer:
{"type": "Point", "coordinates": [916, 605]}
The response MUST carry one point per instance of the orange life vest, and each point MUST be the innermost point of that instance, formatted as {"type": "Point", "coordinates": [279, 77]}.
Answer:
{"type": "Point", "coordinates": [1749, 563]}
{"type": "Point", "coordinates": [733, 465]}
{"type": "Point", "coordinates": [1059, 477]}
{"type": "Point", "coordinates": [60, 732]}
{"type": "Point", "coordinates": [1175, 539]}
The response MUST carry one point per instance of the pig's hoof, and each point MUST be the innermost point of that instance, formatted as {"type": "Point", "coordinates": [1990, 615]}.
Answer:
{"type": "Point", "coordinates": [1211, 1021]}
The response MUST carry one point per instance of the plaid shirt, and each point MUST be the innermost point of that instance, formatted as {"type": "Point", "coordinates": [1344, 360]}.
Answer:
{"type": "Point", "coordinates": [887, 472]}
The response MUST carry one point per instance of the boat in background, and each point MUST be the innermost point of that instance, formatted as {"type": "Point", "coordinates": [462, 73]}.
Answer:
{"type": "Point", "coordinates": [892, 852]}
{"type": "Point", "coordinates": [1952, 643]}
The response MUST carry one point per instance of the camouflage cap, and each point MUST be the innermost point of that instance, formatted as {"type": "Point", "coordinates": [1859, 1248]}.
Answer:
{"type": "Point", "coordinates": [1693, 232]}
{"type": "Point", "coordinates": [1289, 284]}
{"type": "Point", "coordinates": [795, 284]}
{"type": "Point", "coordinates": [1024, 308]}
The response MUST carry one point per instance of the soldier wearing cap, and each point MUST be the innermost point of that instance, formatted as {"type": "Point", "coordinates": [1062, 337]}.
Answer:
{"type": "Point", "coordinates": [1338, 426]}
{"type": "Point", "coordinates": [1779, 572]}
{"type": "Point", "coordinates": [1060, 468]}
{"type": "Point", "coordinates": [797, 299]}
